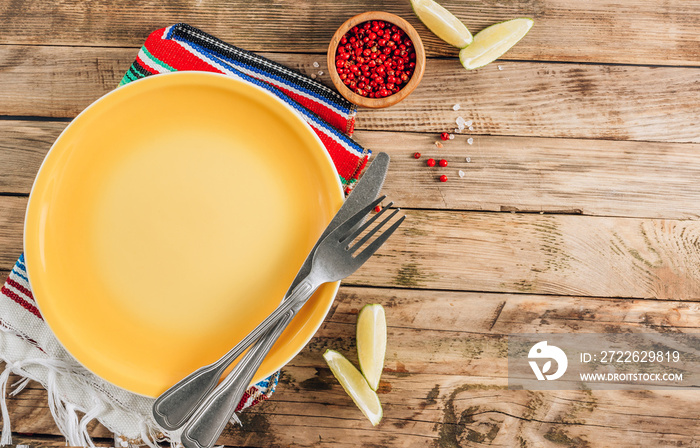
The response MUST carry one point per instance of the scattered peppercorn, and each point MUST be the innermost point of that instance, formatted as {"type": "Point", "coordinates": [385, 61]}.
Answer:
{"type": "Point", "coordinates": [443, 163]}
{"type": "Point", "coordinates": [430, 162]}
{"type": "Point", "coordinates": [443, 178]}
{"type": "Point", "coordinates": [416, 155]}
{"type": "Point", "coordinates": [378, 208]}
{"type": "Point", "coordinates": [445, 136]}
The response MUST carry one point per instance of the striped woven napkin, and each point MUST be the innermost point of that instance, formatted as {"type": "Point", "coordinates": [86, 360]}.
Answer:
{"type": "Point", "coordinates": [28, 347]}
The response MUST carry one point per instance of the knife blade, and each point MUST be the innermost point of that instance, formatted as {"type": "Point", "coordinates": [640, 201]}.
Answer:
{"type": "Point", "coordinates": [366, 190]}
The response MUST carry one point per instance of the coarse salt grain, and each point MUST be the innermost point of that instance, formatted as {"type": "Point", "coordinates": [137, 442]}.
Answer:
{"type": "Point", "coordinates": [471, 128]}
{"type": "Point", "coordinates": [461, 173]}
{"type": "Point", "coordinates": [500, 68]}
{"type": "Point", "coordinates": [468, 123]}
{"type": "Point", "coordinates": [320, 73]}
{"type": "Point", "coordinates": [470, 140]}
{"type": "Point", "coordinates": [456, 107]}
{"type": "Point", "coordinates": [460, 123]}
{"type": "Point", "coordinates": [452, 136]}
{"type": "Point", "coordinates": [316, 65]}
{"type": "Point", "coordinates": [469, 159]}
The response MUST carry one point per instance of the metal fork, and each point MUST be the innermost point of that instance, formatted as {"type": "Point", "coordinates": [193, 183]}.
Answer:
{"type": "Point", "coordinates": [334, 260]}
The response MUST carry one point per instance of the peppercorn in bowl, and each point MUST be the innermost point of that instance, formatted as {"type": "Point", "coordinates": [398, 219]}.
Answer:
{"type": "Point", "coordinates": [376, 59]}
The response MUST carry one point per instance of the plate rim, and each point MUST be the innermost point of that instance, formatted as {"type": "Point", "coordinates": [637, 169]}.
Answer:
{"type": "Point", "coordinates": [295, 115]}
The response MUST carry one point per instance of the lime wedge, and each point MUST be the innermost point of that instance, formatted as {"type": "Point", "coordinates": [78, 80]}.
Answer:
{"type": "Point", "coordinates": [355, 385]}
{"type": "Point", "coordinates": [371, 342]}
{"type": "Point", "coordinates": [490, 43]}
{"type": "Point", "coordinates": [442, 22]}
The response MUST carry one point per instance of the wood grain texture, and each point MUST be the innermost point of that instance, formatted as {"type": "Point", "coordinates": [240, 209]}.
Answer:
{"type": "Point", "coordinates": [592, 177]}
{"type": "Point", "coordinates": [30, 414]}
{"type": "Point", "coordinates": [48, 441]}
{"type": "Point", "coordinates": [552, 254]}
{"type": "Point", "coordinates": [557, 100]}
{"type": "Point", "coordinates": [450, 333]}
{"type": "Point", "coordinates": [23, 146]}
{"type": "Point", "coordinates": [58, 81]}
{"type": "Point", "coordinates": [523, 99]}
{"type": "Point", "coordinates": [450, 412]}
{"type": "Point", "coordinates": [638, 31]}
{"type": "Point", "coordinates": [310, 409]}
{"type": "Point", "coordinates": [508, 252]}
{"type": "Point", "coordinates": [11, 229]}
{"type": "Point", "coordinates": [445, 377]}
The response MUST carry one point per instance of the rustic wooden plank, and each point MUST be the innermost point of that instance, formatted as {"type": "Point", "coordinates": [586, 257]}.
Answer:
{"type": "Point", "coordinates": [450, 333]}
{"type": "Point", "coordinates": [592, 177]}
{"type": "Point", "coordinates": [434, 391]}
{"type": "Point", "coordinates": [23, 146]}
{"type": "Point", "coordinates": [553, 254]}
{"type": "Point", "coordinates": [553, 100]}
{"type": "Point", "coordinates": [638, 32]}
{"type": "Point", "coordinates": [508, 252]}
{"type": "Point", "coordinates": [48, 441]}
{"type": "Point", "coordinates": [311, 409]}
{"type": "Point", "coordinates": [11, 229]}
{"type": "Point", "coordinates": [454, 411]}
{"type": "Point", "coordinates": [30, 414]}
{"type": "Point", "coordinates": [474, 313]}
{"type": "Point", "coordinates": [58, 81]}
{"type": "Point", "coordinates": [550, 100]}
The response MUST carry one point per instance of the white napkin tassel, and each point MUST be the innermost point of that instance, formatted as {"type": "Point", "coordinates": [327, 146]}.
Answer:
{"type": "Point", "coordinates": [65, 415]}
{"type": "Point", "coordinates": [6, 438]}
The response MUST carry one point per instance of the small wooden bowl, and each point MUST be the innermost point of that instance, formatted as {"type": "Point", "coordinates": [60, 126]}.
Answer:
{"type": "Point", "coordinates": [376, 103]}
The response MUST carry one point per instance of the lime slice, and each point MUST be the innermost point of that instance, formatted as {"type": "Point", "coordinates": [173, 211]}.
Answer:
{"type": "Point", "coordinates": [371, 342]}
{"type": "Point", "coordinates": [442, 22]}
{"type": "Point", "coordinates": [490, 43]}
{"type": "Point", "coordinates": [355, 385]}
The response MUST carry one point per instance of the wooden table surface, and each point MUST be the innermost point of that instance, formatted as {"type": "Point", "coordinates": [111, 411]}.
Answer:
{"type": "Point", "coordinates": [578, 211]}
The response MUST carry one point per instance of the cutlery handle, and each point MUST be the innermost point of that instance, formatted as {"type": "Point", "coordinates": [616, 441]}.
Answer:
{"type": "Point", "coordinates": [172, 408]}
{"type": "Point", "coordinates": [175, 405]}
{"type": "Point", "coordinates": [208, 422]}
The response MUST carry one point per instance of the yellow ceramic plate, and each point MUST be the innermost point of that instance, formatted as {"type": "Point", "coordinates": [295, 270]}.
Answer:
{"type": "Point", "coordinates": [169, 219]}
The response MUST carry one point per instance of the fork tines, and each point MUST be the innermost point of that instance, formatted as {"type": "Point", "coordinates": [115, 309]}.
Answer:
{"type": "Point", "coordinates": [355, 228]}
